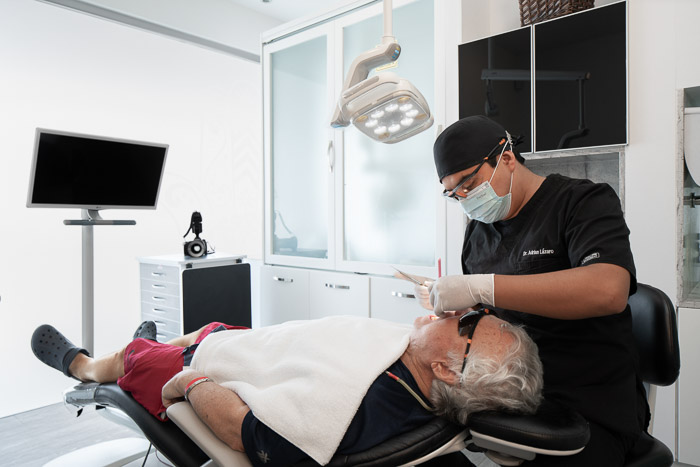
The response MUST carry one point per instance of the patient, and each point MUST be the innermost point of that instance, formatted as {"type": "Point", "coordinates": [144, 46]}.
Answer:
{"type": "Point", "coordinates": [313, 388]}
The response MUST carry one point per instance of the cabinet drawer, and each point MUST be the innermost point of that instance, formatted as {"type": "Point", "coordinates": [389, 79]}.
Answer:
{"type": "Point", "coordinates": [333, 293]}
{"type": "Point", "coordinates": [160, 299]}
{"type": "Point", "coordinates": [159, 286]}
{"type": "Point", "coordinates": [393, 300]}
{"type": "Point", "coordinates": [160, 273]}
{"type": "Point", "coordinates": [167, 326]}
{"type": "Point", "coordinates": [151, 312]}
{"type": "Point", "coordinates": [284, 294]}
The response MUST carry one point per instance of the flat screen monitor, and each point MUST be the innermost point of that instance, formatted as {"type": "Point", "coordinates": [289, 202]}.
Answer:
{"type": "Point", "coordinates": [71, 170]}
{"type": "Point", "coordinates": [495, 80]}
{"type": "Point", "coordinates": [581, 79]}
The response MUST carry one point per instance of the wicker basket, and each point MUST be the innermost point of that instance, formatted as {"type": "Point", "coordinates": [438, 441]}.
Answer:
{"type": "Point", "coordinates": [534, 11]}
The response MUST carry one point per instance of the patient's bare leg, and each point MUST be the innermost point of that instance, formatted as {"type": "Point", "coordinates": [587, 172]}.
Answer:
{"type": "Point", "coordinates": [110, 367]}
{"type": "Point", "coordinates": [187, 339]}
{"type": "Point", "coordinates": [106, 369]}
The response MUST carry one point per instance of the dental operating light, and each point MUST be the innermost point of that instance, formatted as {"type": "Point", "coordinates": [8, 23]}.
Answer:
{"type": "Point", "coordinates": [385, 107]}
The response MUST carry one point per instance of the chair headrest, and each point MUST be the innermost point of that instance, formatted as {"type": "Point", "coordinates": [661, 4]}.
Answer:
{"type": "Point", "coordinates": [656, 335]}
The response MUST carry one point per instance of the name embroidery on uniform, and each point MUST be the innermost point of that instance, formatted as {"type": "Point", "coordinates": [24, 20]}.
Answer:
{"type": "Point", "coordinates": [541, 251]}
{"type": "Point", "coordinates": [595, 255]}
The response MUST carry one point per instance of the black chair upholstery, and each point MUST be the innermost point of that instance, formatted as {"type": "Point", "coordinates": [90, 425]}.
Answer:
{"type": "Point", "coordinates": [165, 436]}
{"type": "Point", "coordinates": [656, 335]}
{"type": "Point", "coordinates": [400, 450]}
{"type": "Point", "coordinates": [554, 427]}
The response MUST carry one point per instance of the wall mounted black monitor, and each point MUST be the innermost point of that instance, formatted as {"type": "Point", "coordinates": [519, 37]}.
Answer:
{"type": "Point", "coordinates": [581, 79]}
{"type": "Point", "coordinates": [495, 80]}
{"type": "Point", "coordinates": [71, 170]}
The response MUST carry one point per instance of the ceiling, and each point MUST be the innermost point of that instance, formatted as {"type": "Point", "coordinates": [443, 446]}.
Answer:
{"type": "Point", "coordinates": [288, 10]}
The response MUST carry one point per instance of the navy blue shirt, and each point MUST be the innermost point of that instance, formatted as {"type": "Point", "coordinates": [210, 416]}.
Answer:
{"type": "Point", "coordinates": [387, 410]}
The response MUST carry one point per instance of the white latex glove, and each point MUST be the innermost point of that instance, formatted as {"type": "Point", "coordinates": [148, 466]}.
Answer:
{"type": "Point", "coordinates": [451, 293]}
{"type": "Point", "coordinates": [422, 294]}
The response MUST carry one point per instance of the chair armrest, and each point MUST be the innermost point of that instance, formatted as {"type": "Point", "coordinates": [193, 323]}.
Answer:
{"type": "Point", "coordinates": [185, 417]}
{"type": "Point", "coordinates": [554, 430]}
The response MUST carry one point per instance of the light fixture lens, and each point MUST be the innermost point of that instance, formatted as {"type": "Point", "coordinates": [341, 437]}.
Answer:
{"type": "Point", "coordinates": [394, 128]}
{"type": "Point", "coordinates": [406, 121]}
{"type": "Point", "coordinates": [377, 115]}
{"type": "Point", "coordinates": [391, 107]}
{"type": "Point", "coordinates": [379, 130]}
{"type": "Point", "coordinates": [371, 123]}
{"type": "Point", "coordinates": [406, 107]}
{"type": "Point", "coordinates": [412, 113]}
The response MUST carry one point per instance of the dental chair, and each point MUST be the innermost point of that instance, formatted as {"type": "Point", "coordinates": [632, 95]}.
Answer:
{"type": "Point", "coordinates": [507, 439]}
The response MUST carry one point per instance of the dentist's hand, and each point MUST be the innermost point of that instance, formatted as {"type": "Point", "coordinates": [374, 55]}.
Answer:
{"type": "Point", "coordinates": [451, 293]}
{"type": "Point", "coordinates": [422, 294]}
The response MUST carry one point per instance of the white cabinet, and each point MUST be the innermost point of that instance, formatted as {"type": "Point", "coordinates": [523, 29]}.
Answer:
{"type": "Point", "coordinates": [336, 202]}
{"type": "Point", "coordinates": [689, 386]}
{"type": "Point", "coordinates": [335, 199]}
{"type": "Point", "coordinates": [393, 300]}
{"type": "Point", "coordinates": [182, 294]}
{"type": "Point", "coordinates": [334, 293]}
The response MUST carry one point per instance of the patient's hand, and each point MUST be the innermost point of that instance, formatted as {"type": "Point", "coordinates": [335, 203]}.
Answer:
{"type": "Point", "coordinates": [174, 390]}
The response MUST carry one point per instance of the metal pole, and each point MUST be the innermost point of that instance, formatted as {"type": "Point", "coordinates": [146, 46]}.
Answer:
{"type": "Point", "coordinates": [88, 342]}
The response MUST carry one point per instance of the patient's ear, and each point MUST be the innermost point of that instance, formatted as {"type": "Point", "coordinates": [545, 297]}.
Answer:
{"type": "Point", "coordinates": [442, 372]}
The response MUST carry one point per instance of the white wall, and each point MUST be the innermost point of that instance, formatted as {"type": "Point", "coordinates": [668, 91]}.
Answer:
{"type": "Point", "coordinates": [71, 71]}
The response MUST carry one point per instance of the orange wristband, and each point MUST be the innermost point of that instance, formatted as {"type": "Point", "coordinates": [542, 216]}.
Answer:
{"type": "Point", "coordinates": [192, 384]}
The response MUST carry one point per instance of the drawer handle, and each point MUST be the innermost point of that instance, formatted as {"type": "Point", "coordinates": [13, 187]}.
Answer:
{"type": "Point", "coordinates": [159, 323]}
{"type": "Point", "coordinates": [157, 274]}
{"type": "Point", "coordinates": [403, 295]}
{"type": "Point", "coordinates": [158, 310]}
{"type": "Point", "coordinates": [281, 279]}
{"type": "Point", "coordinates": [337, 286]}
{"type": "Point", "coordinates": [158, 299]}
{"type": "Point", "coordinates": [158, 286]}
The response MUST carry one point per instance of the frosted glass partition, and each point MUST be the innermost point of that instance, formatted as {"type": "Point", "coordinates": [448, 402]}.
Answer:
{"type": "Point", "coordinates": [299, 119]}
{"type": "Point", "coordinates": [389, 189]}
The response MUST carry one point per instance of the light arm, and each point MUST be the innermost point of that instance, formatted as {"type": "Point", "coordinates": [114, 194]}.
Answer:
{"type": "Point", "coordinates": [382, 54]}
{"type": "Point", "coordinates": [584, 292]}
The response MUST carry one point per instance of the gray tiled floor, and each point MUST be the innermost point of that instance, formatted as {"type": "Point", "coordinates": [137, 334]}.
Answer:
{"type": "Point", "coordinates": [38, 436]}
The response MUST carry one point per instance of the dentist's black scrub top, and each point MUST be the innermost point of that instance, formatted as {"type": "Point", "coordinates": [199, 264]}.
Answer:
{"type": "Point", "coordinates": [590, 364]}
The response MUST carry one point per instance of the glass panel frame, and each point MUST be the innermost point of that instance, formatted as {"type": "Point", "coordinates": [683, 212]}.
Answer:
{"type": "Point", "coordinates": [295, 237]}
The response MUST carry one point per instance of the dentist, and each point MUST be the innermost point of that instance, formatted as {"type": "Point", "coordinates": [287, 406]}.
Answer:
{"type": "Point", "coordinates": [553, 254]}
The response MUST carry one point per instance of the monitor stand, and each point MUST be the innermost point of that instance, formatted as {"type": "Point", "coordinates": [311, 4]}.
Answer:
{"type": "Point", "coordinates": [90, 217]}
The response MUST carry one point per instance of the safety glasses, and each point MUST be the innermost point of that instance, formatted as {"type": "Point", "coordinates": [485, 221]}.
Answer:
{"type": "Point", "coordinates": [454, 193]}
{"type": "Point", "coordinates": [467, 325]}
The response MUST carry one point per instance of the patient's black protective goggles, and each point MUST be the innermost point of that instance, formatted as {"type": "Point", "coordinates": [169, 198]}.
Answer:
{"type": "Point", "coordinates": [467, 325]}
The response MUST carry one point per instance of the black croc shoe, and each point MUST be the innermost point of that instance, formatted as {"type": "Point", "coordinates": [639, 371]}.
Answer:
{"type": "Point", "coordinates": [52, 348]}
{"type": "Point", "coordinates": [147, 330]}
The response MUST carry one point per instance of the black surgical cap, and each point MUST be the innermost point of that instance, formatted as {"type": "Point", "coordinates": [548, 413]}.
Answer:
{"type": "Point", "coordinates": [465, 143]}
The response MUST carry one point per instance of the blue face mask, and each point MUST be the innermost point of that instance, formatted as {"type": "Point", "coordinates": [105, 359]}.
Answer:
{"type": "Point", "coordinates": [484, 205]}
